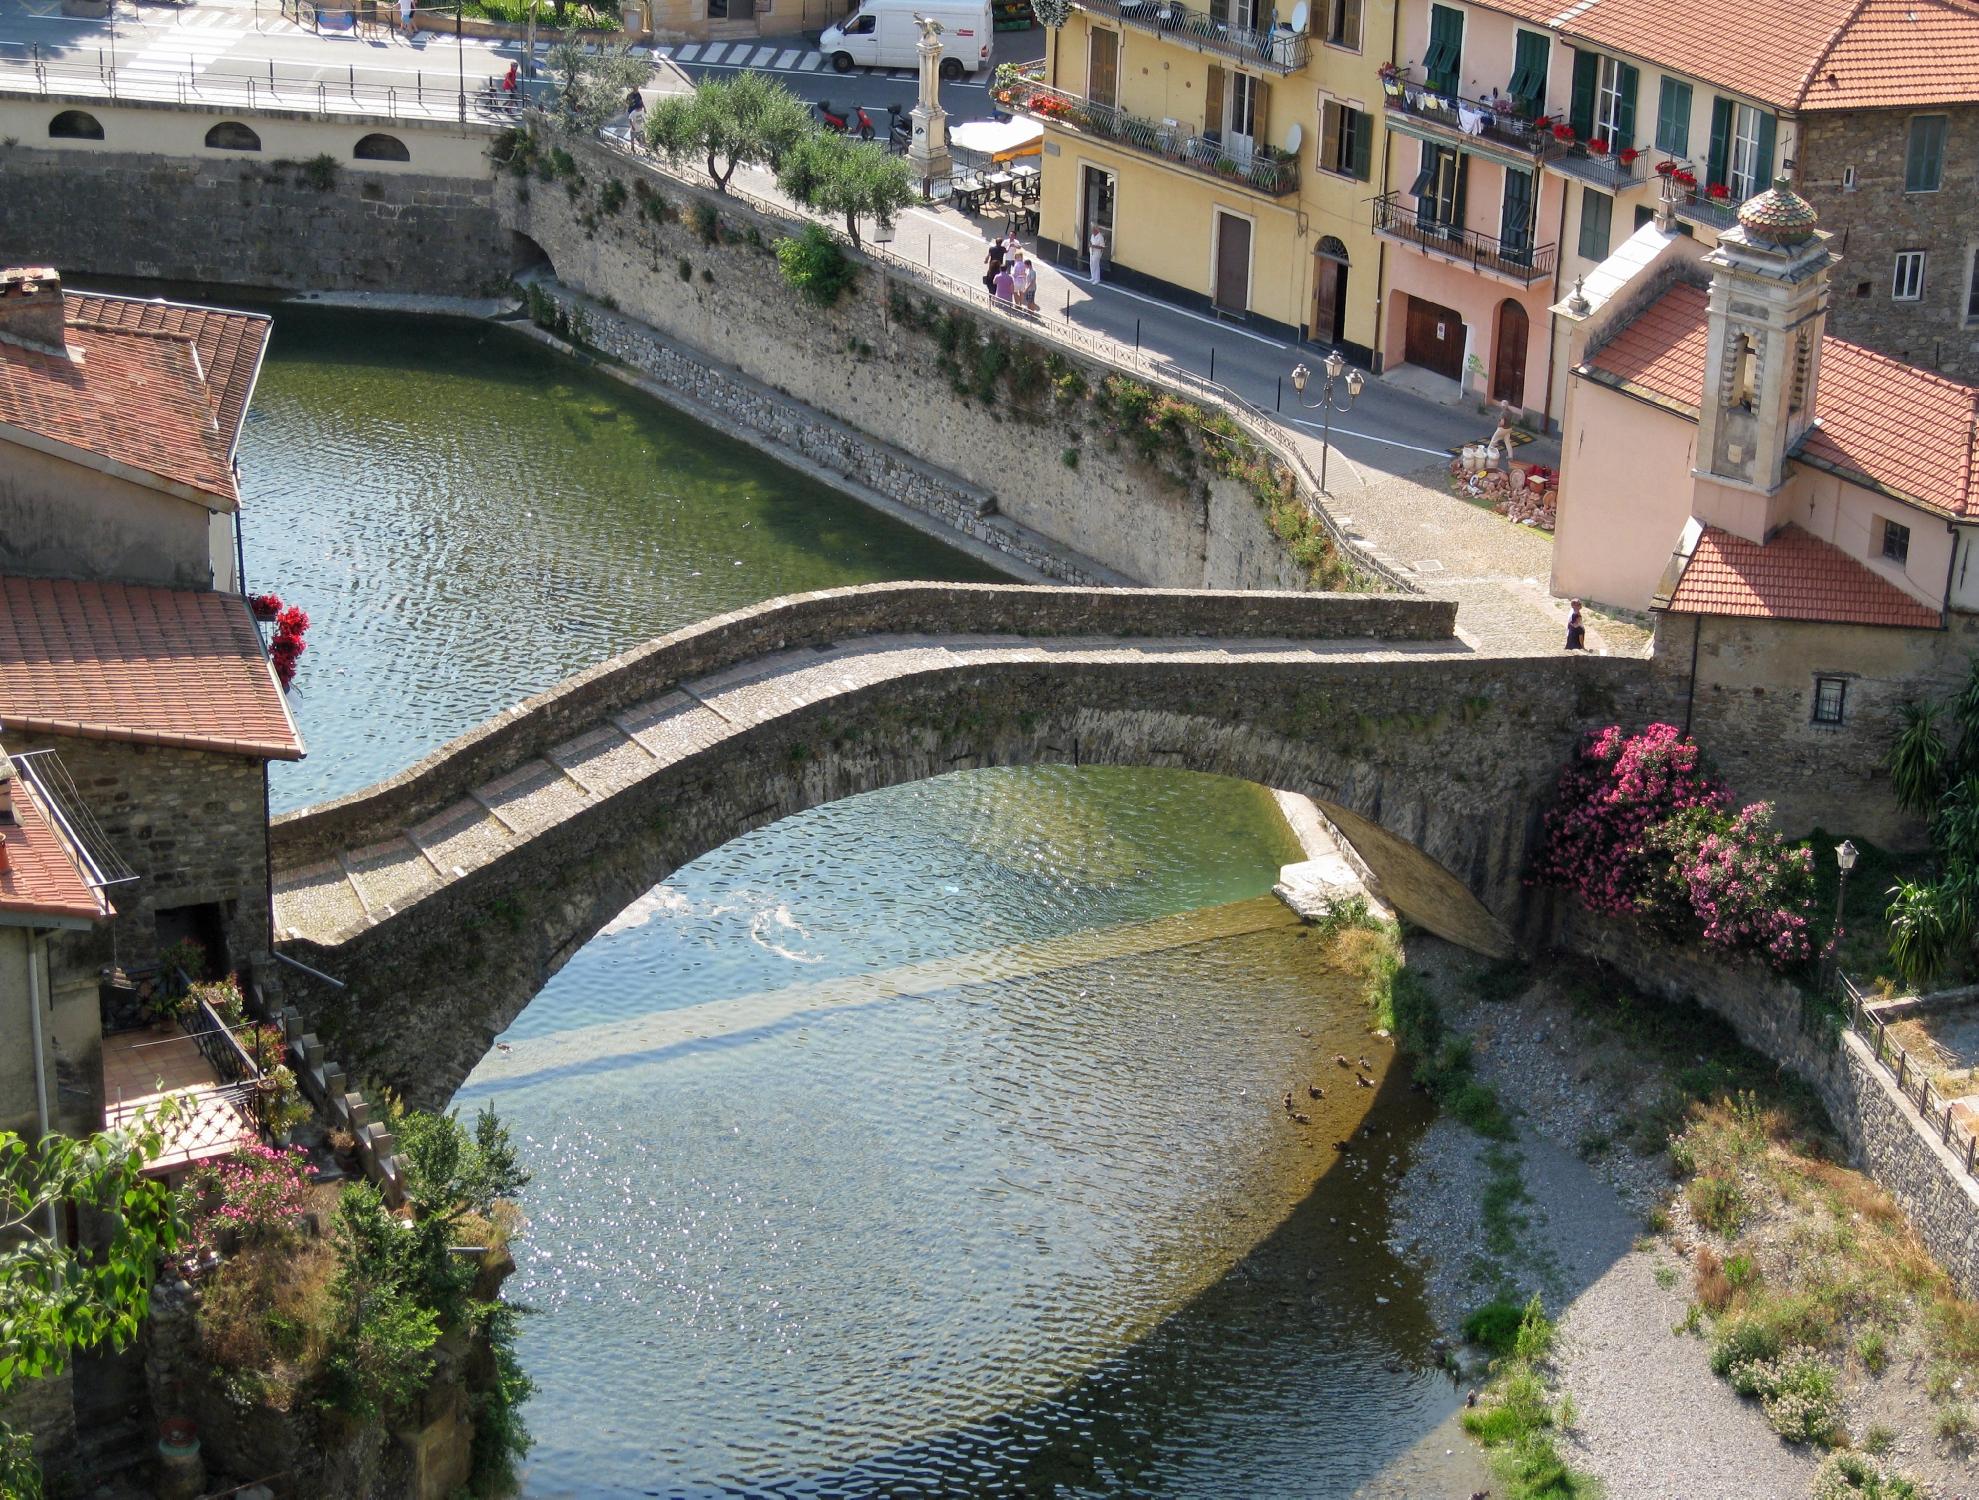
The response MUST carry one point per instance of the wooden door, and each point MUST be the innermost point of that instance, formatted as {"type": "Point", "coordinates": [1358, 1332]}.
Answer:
{"type": "Point", "coordinates": [1329, 299]}
{"type": "Point", "coordinates": [1434, 339]}
{"type": "Point", "coordinates": [1508, 359]}
{"type": "Point", "coordinates": [1103, 68]}
{"type": "Point", "coordinates": [1233, 263]}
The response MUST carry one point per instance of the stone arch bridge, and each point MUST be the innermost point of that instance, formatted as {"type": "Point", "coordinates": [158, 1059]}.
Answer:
{"type": "Point", "coordinates": [446, 896]}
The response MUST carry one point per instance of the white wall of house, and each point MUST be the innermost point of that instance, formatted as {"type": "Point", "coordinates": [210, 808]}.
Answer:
{"type": "Point", "coordinates": [67, 520]}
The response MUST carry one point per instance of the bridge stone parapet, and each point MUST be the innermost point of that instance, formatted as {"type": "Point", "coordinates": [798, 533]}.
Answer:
{"type": "Point", "coordinates": [825, 617]}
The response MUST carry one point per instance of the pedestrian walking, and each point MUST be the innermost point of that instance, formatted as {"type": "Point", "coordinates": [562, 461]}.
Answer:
{"type": "Point", "coordinates": [1500, 440]}
{"type": "Point", "coordinates": [992, 263]}
{"type": "Point", "coordinates": [1095, 248]}
{"type": "Point", "coordinates": [1024, 282]}
{"type": "Point", "coordinates": [635, 113]}
{"type": "Point", "coordinates": [405, 16]}
{"type": "Point", "coordinates": [1576, 631]}
{"type": "Point", "coordinates": [1001, 288]}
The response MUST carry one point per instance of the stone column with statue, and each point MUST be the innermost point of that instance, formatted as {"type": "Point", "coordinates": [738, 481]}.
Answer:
{"type": "Point", "coordinates": [927, 152]}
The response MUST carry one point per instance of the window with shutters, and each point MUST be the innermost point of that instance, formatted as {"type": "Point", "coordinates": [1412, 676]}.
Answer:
{"type": "Point", "coordinates": [1515, 218]}
{"type": "Point", "coordinates": [1907, 280]}
{"type": "Point", "coordinates": [1442, 64]}
{"type": "Point", "coordinates": [1597, 214]}
{"type": "Point", "coordinates": [1673, 119]}
{"type": "Point", "coordinates": [1750, 165]}
{"type": "Point", "coordinates": [1343, 23]}
{"type": "Point", "coordinates": [1438, 188]}
{"type": "Point", "coordinates": [1529, 59]}
{"type": "Point", "coordinates": [1346, 140]}
{"type": "Point", "coordinates": [1924, 161]}
{"type": "Point", "coordinates": [1608, 103]}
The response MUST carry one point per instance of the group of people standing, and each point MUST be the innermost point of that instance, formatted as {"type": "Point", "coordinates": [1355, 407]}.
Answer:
{"type": "Point", "coordinates": [1010, 274]}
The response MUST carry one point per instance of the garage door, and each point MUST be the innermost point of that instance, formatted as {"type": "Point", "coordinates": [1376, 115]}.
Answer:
{"type": "Point", "coordinates": [1434, 339]}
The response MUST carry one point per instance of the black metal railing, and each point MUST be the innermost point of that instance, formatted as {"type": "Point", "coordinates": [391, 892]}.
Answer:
{"type": "Point", "coordinates": [1261, 167]}
{"type": "Point", "coordinates": [1279, 48]}
{"type": "Point", "coordinates": [1936, 1112]}
{"type": "Point", "coordinates": [1497, 121]}
{"type": "Point", "coordinates": [1614, 170]}
{"type": "Point", "coordinates": [1400, 219]}
{"type": "Point", "coordinates": [240, 1077]}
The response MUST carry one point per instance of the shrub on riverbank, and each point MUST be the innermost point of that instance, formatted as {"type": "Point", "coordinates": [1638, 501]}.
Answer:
{"type": "Point", "coordinates": [1516, 1417]}
{"type": "Point", "coordinates": [1640, 828]}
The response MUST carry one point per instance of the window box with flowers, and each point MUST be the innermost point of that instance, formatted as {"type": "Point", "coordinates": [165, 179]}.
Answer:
{"type": "Point", "coordinates": [1598, 145]}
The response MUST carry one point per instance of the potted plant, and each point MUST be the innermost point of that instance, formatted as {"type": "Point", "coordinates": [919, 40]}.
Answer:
{"type": "Point", "coordinates": [265, 606]}
{"type": "Point", "coordinates": [1564, 133]}
{"type": "Point", "coordinates": [1665, 168]}
{"type": "Point", "coordinates": [1627, 156]}
{"type": "Point", "coordinates": [1718, 192]}
{"type": "Point", "coordinates": [282, 1106]}
{"type": "Point", "coordinates": [1598, 144]}
{"type": "Point", "coordinates": [1684, 179]}
{"type": "Point", "coordinates": [343, 1146]}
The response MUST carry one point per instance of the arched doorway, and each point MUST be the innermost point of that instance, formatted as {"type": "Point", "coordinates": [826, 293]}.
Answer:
{"type": "Point", "coordinates": [1508, 357]}
{"type": "Point", "coordinates": [1329, 291]}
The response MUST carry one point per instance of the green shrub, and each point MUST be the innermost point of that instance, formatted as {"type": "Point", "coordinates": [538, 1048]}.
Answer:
{"type": "Point", "coordinates": [1495, 1326]}
{"type": "Point", "coordinates": [1850, 1476]}
{"type": "Point", "coordinates": [707, 222]}
{"type": "Point", "coordinates": [815, 266]}
{"type": "Point", "coordinates": [611, 197]}
{"type": "Point", "coordinates": [1070, 458]}
{"type": "Point", "coordinates": [1873, 1349]}
{"type": "Point", "coordinates": [1742, 1340]}
{"type": "Point", "coordinates": [1799, 1392]}
{"type": "Point", "coordinates": [686, 269]}
{"type": "Point", "coordinates": [1717, 1203]}
{"type": "Point", "coordinates": [320, 172]}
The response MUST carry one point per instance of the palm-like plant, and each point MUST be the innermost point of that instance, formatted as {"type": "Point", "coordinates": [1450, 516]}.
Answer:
{"type": "Point", "coordinates": [1920, 760]}
{"type": "Point", "coordinates": [1929, 924]}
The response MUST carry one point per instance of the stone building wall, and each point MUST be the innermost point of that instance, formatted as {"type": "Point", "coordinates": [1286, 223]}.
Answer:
{"type": "Point", "coordinates": [1047, 467]}
{"type": "Point", "coordinates": [1752, 711]}
{"type": "Point", "coordinates": [124, 207]}
{"type": "Point", "coordinates": [1878, 218]}
{"type": "Point", "coordinates": [1880, 1127]}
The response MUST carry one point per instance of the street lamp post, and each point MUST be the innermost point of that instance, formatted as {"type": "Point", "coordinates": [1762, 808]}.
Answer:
{"type": "Point", "coordinates": [1335, 367]}
{"type": "Point", "coordinates": [460, 57]}
{"type": "Point", "coordinates": [1845, 855]}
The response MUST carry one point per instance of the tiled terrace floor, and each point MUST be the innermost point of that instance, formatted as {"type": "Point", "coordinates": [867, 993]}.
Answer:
{"type": "Point", "coordinates": [140, 1068]}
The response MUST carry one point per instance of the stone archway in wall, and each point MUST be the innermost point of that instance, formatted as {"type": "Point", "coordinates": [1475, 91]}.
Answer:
{"type": "Point", "coordinates": [430, 987]}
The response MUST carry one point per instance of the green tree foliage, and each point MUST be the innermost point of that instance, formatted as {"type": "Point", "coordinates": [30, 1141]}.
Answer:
{"type": "Point", "coordinates": [53, 1301]}
{"type": "Point", "coordinates": [590, 87]}
{"type": "Point", "coordinates": [851, 179]}
{"type": "Point", "coordinates": [1934, 769]}
{"type": "Point", "coordinates": [750, 119]}
{"type": "Point", "coordinates": [813, 263]}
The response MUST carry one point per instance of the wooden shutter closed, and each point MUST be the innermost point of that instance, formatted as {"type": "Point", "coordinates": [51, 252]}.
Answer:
{"type": "Point", "coordinates": [1213, 104]}
{"type": "Point", "coordinates": [1721, 140]}
{"type": "Point", "coordinates": [1625, 111]}
{"type": "Point", "coordinates": [1363, 143]}
{"type": "Point", "coordinates": [1762, 169]}
{"type": "Point", "coordinates": [1587, 76]}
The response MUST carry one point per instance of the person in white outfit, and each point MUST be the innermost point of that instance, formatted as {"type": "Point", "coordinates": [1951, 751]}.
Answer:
{"type": "Point", "coordinates": [1095, 248]}
{"type": "Point", "coordinates": [405, 16]}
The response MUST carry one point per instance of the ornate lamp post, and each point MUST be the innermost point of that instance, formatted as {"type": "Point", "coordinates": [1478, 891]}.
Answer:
{"type": "Point", "coordinates": [1845, 855]}
{"type": "Point", "coordinates": [1335, 367]}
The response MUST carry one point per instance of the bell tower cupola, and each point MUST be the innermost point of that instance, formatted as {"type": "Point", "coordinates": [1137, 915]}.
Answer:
{"type": "Point", "coordinates": [1768, 309]}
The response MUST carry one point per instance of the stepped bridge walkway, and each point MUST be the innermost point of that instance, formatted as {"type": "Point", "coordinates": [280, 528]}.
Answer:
{"type": "Point", "coordinates": [446, 896]}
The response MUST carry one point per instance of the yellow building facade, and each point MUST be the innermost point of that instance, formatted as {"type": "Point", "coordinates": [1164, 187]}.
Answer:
{"type": "Point", "coordinates": [1227, 157]}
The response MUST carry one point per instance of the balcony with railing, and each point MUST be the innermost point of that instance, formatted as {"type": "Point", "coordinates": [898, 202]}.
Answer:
{"type": "Point", "coordinates": [1278, 48]}
{"type": "Point", "coordinates": [1695, 201]}
{"type": "Point", "coordinates": [1396, 218]}
{"type": "Point", "coordinates": [1494, 122]}
{"type": "Point", "coordinates": [1260, 169]}
{"type": "Point", "coordinates": [1595, 161]}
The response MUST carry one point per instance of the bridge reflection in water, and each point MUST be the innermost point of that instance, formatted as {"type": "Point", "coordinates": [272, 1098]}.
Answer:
{"type": "Point", "coordinates": [970, 1172]}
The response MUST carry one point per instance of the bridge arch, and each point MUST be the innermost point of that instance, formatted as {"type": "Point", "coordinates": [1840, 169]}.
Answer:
{"type": "Point", "coordinates": [1430, 757]}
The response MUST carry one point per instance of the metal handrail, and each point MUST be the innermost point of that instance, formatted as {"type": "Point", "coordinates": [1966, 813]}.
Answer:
{"type": "Point", "coordinates": [296, 963]}
{"type": "Point", "coordinates": [1881, 1045]}
{"type": "Point", "coordinates": [1603, 168]}
{"type": "Point", "coordinates": [1262, 167]}
{"type": "Point", "coordinates": [1495, 120]}
{"type": "Point", "coordinates": [1278, 47]}
{"type": "Point", "coordinates": [1529, 263]}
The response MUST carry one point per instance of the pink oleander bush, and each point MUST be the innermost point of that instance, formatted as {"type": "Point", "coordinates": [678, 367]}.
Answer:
{"type": "Point", "coordinates": [260, 1193]}
{"type": "Point", "coordinates": [1640, 828]}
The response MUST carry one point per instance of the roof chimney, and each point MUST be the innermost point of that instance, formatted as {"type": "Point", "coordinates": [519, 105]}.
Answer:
{"type": "Point", "coordinates": [31, 307]}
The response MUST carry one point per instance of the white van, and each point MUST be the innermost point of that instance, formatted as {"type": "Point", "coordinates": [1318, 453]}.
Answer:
{"type": "Point", "coordinates": [882, 34]}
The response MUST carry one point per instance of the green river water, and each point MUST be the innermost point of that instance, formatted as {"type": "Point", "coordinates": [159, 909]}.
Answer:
{"type": "Point", "coordinates": [927, 1143]}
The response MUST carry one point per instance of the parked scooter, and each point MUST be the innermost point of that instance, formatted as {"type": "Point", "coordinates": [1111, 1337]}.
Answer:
{"type": "Point", "coordinates": [899, 126]}
{"type": "Point", "coordinates": [854, 121]}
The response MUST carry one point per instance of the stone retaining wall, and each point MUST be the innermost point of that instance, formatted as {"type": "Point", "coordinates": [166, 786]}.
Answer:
{"type": "Point", "coordinates": [729, 400]}
{"type": "Point", "coordinates": [528, 729]}
{"type": "Point", "coordinates": [1882, 1129]}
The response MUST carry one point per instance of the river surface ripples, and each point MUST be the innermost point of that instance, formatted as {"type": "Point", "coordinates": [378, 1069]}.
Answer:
{"type": "Point", "coordinates": [930, 1142]}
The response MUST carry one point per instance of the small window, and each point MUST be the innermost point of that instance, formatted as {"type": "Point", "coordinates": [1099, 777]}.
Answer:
{"type": "Point", "coordinates": [1848, 179]}
{"type": "Point", "coordinates": [1830, 699]}
{"type": "Point", "coordinates": [75, 125]}
{"type": "Point", "coordinates": [1346, 141]}
{"type": "Point", "coordinates": [1907, 281]}
{"type": "Point", "coordinates": [1924, 161]}
{"type": "Point", "coordinates": [1972, 289]}
{"type": "Point", "coordinates": [1896, 542]}
{"type": "Point", "coordinates": [1343, 23]}
{"type": "Point", "coordinates": [1597, 213]}
{"type": "Point", "coordinates": [381, 148]}
{"type": "Point", "coordinates": [231, 135]}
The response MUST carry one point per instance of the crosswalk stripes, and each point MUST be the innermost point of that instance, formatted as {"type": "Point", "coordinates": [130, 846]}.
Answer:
{"type": "Point", "coordinates": [785, 59]}
{"type": "Point", "coordinates": [178, 55]}
{"type": "Point", "coordinates": [754, 55]}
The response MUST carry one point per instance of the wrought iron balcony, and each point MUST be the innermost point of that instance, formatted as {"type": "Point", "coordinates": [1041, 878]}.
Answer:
{"type": "Point", "coordinates": [1695, 203]}
{"type": "Point", "coordinates": [1261, 169]}
{"type": "Point", "coordinates": [1493, 121]}
{"type": "Point", "coordinates": [1605, 169]}
{"type": "Point", "coordinates": [1400, 220]}
{"type": "Point", "coordinates": [1280, 49]}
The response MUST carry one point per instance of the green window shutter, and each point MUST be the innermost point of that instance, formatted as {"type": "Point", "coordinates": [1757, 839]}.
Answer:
{"type": "Point", "coordinates": [1673, 119]}
{"type": "Point", "coordinates": [1363, 143]}
{"type": "Point", "coordinates": [1597, 212]}
{"type": "Point", "coordinates": [1463, 178]}
{"type": "Point", "coordinates": [1625, 111]}
{"type": "Point", "coordinates": [1442, 65]}
{"type": "Point", "coordinates": [1587, 74]}
{"type": "Point", "coordinates": [1762, 172]}
{"type": "Point", "coordinates": [1721, 141]}
{"type": "Point", "coordinates": [1529, 72]}
{"type": "Point", "coordinates": [1515, 220]}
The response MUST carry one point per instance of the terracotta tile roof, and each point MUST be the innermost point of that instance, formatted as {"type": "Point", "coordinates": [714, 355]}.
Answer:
{"type": "Point", "coordinates": [1794, 576]}
{"type": "Point", "coordinates": [1880, 53]}
{"type": "Point", "coordinates": [139, 399]}
{"type": "Point", "coordinates": [43, 877]}
{"type": "Point", "coordinates": [230, 343]}
{"type": "Point", "coordinates": [1881, 422]}
{"type": "Point", "coordinates": [121, 662]}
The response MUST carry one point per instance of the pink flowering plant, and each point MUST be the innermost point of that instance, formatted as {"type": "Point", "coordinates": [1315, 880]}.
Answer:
{"type": "Point", "coordinates": [258, 1193]}
{"type": "Point", "coordinates": [1640, 828]}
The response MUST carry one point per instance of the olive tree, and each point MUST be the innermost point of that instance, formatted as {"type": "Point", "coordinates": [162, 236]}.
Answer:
{"type": "Point", "coordinates": [588, 88]}
{"type": "Point", "coordinates": [729, 123]}
{"type": "Point", "coordinates": [835, 174]}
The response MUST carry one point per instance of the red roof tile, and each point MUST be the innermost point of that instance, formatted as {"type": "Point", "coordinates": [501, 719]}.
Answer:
{"type": "Point", "coordinates": [139, 399]}
{"type": "Point", "coordinates": [1791, 54]}
{"type": "Point", "coordinates": [230, 343]}
{"type": "Point", "coordinates": [121, 662]}
{"type": "Point", "coordinates": [43, 877]}
{"type": "Point", "coordinates": [1879, 421]}
{"type": "Point", "coordinates": [1794, 576]}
